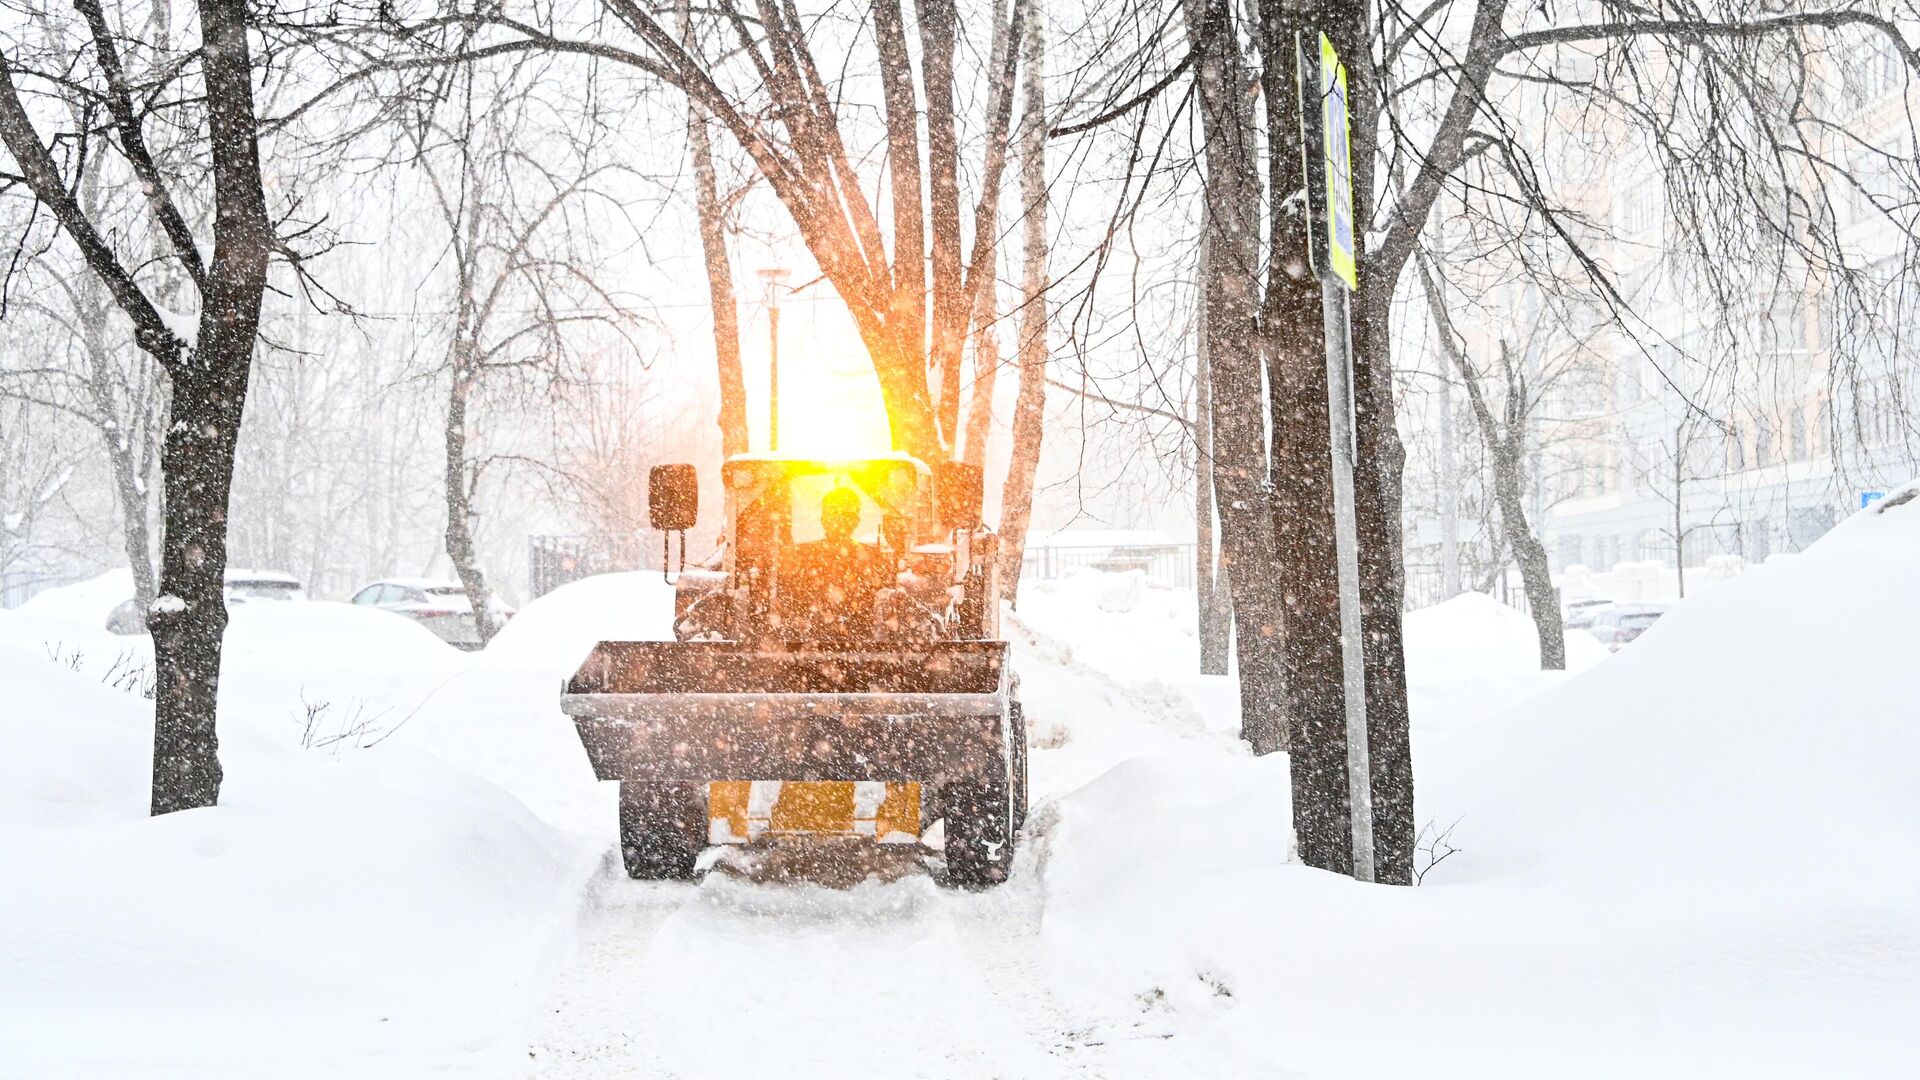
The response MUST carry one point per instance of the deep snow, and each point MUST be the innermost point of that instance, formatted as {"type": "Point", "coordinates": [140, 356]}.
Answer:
{"type": "Point", "coordinates": [372, 914]}
{"type": "Point", "coordinates": [1688, 859]}
{"type": "Point", "coordinates": [1692, 859]}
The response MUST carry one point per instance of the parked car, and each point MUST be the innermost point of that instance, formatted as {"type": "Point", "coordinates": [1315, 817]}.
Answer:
{"type": "Point", "coordinates": [440, 606]}
{"type": "Point", "coordinates": [1619, 625]}
{"type": "Point", "coordinates": [1581, 613]}
{"type": "Point", "coordinates": [242, 587]}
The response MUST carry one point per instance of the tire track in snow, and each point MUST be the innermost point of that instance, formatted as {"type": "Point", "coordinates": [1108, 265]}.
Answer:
{"type": "Point", "coordinates": [905, 979]}
{"type": "Point", "coordinates": [597, 1020]}
{"type": "Point", "coordinates": [1087, 1044]}
{"type": "Point", "coordinates": [730, 979]}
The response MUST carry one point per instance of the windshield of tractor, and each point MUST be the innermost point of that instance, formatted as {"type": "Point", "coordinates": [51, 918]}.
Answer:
{"type": "Point", "coordinates": [785, 500]}
{"type": "Point", "coordinates": [808, 496]}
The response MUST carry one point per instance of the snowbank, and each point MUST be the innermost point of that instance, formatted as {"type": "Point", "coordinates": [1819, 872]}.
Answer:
{"type": "Point", "coordinates": [1467, 659]}
{"type": "Point", "coordinates": [325, 634]}
{"type": "Point", "coordinates": [556, 632]}
{"type": "Point", "coordinates": [330, 676]}
{"type": "Point", "coordinates": [86, 602]}
{"type": "Point", "coordinates": [368, 915]}
{"type": "Point", "coordinates": [1476, 633]}
{"type": "Point", "coordinates": [1472, 657]}
{"type": "Point", "coordinates": [1692, 859]}
{"type": "Point", "coordinates": [87, 646]}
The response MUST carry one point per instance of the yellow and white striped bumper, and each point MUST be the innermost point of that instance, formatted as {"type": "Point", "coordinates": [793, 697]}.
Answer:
{"type": "Point", "coordinates": [742, 811]}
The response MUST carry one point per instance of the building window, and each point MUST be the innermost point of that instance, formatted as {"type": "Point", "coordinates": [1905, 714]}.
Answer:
{"type": "Point", "coordinates": [1872, 183]}
{"type": "Point", "coordinates": [1640, 210]}
{"type": "Point", "coordinates": [1569, 551]}
{"type": "Point", "coordinates": [1878, 72]}
{"type": "Point", "coordinates": [1807, 524]}
{"type": "Point", "coordinates": [1797, 434]}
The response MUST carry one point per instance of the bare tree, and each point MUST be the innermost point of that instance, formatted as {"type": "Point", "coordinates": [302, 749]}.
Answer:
{"type": "Point", "coordinates": [207, 364]}
{"type": "Point", "coordinates": [766, 88]}
{"type": "Point", "coordinates": [1445, 101]}
{"type": "Point", "coordinates": [1236, 380]}
{"type": "Point", "coordinates": [35, 470]}
{"type": "Point", "coordinates": [1505, 437]}
{"type": "Point", "coordinates": [507, 179]}
{"type": "Point", "coordinates": [712, 212]}
{"type": "Point", "coordinates": [1030, 401]}
{"type": "Point", "coordinates": [986, 307]}
{"type": "Point", "coordinates": [98, 377]}
{"type": "Point", "coordinates": [112, 387]}
{"type": "Point", "coordinates": [1691, 450]}
{"type": "Point", "coordinates": [1214, 611]}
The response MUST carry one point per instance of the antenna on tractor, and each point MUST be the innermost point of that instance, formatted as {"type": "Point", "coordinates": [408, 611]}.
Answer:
{"type": "Point", "coordinates": [673, 505]}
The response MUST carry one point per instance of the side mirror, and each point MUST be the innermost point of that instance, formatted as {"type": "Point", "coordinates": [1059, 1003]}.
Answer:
{"type": "Point", "coordinates": [673, 497]}
{"type": "Point", "coordinates": [959, 490]}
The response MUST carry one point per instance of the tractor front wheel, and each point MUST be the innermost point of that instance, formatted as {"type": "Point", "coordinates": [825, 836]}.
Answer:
{"type": "Point", "coordinates": [1017, 731]}
{"type": "Point", "coordinates": [663, 829]}
{"type": "Point", "coordinates": [980, 832]}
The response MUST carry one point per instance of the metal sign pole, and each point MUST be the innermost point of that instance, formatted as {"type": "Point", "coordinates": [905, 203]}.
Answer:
{"type": "Point", "coordinates": [1338, 277]}
{"type": "Point", "coordinates": [775, 277]}
{"type": "Point", "coordinates": [1339, 332]}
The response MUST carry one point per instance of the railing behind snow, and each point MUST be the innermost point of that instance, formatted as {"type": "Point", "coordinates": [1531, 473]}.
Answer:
{"type": "Point", "coordinates": [553, 561]}
{"type": "Point", "coordinates": [1168, 565]}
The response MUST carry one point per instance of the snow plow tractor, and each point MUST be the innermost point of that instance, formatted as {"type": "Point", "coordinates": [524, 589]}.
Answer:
{"type": "Point", "coordinates": [836, 671]}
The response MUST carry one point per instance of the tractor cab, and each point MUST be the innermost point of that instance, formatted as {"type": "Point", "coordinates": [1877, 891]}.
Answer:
{"type": "Point", "coordinates": [879, 548]}
{"type": "Point", "coordinates": [837, 672]}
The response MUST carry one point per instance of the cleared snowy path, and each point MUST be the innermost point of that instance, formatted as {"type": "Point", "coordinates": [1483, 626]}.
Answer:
{"type": "Point", "coordinates": [731, 979]}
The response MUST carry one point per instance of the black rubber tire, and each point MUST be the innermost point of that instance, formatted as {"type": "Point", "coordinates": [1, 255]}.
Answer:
{"type": "Point", "coordinates": [663, 829]}
{"type": "Point", "coordinates": [1017, 748]}
{"type": "Point", "coordinates": [980, 831]}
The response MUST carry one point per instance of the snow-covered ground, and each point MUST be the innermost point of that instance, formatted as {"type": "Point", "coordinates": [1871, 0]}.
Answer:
{"type": "Point", "coordinates": [1692, 858]}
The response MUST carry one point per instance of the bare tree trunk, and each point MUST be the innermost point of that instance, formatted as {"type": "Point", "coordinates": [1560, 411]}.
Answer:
{"type": "Point", "coordinates": [126, 427]}
{"type": "Point", "coordinates": [1381, 461]}
{"type": "Point", "coordinates": [719, 267]}
{"type": "Point", "coordinates": [1506, 448]}
{"type": "Point", "coordinates": [1543, 600]}
{"type": "Point", "coordinates": [986, 373]}
{"type": "Point", "coordinates": [917, 431]}
{"type": "Point", "coordinates": [130, 449]}
{"type": "Point", "coordinates": [951, 311]}
{"type": "Point", "coordinates": [986, 262]}
{"type": "Point", "coordinates": [1215, 616]}
{"type": "Point", "coordinates": [459, 496]}
{"type": "Point", "coordinates": [208, 400]}
{"type": "Point", "coordinates": [1030, 402]}
{"type": "Point", "coordinates": [1449, 495]}
{"type": "Point", "coordinates": [1509, 482]}
{"type": "Point", "coordinates": [129, 491]}
{"type": "Point", "coordinates": [1248, 556]}
{"type": "Point", "coordinates": [1679, 518]}
{"type": "Point", "coordinates": [1301, 492]}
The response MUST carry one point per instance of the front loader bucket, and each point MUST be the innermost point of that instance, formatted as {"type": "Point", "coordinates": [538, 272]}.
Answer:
{"type": "Point", "coordinates": [897, 712]}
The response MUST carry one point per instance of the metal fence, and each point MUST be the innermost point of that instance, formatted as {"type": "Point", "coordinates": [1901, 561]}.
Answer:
{"type": "Point", "coordinates": [553, 561]}
{"type": "Point", "coordinates": [1169, 565]}
{"type": "Point", "coordinates": [18, 587]}
{"type": "Point", "coordinates": [1426, 586]}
